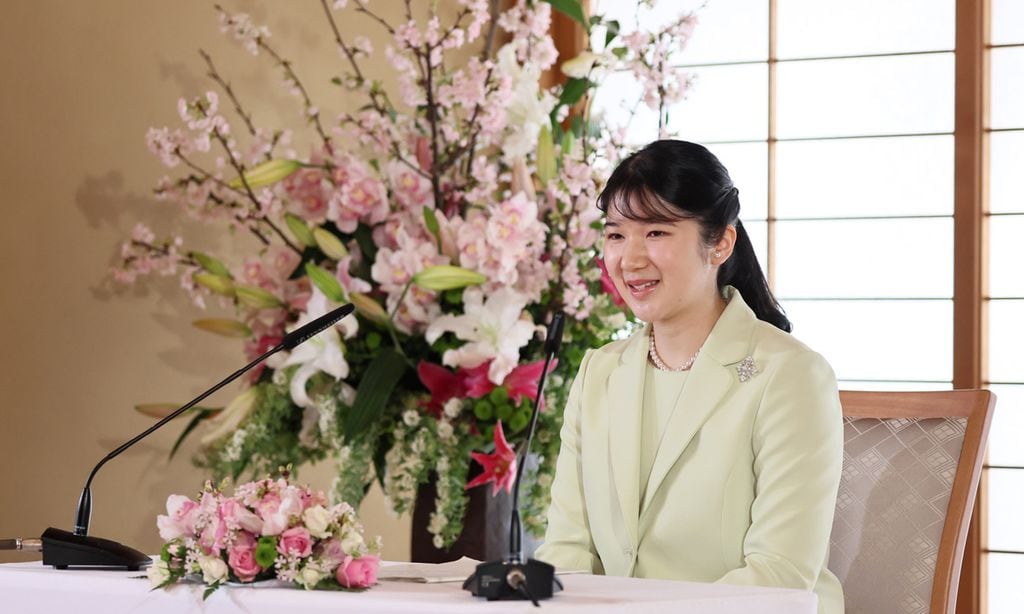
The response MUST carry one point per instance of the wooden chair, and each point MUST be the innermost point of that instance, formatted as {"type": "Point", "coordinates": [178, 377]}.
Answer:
{"type": "Point", "coordinates": [911, 466]}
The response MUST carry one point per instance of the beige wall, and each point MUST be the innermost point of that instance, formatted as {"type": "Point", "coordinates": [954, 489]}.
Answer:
{"type": "Point", "coordinates": [81, 83]}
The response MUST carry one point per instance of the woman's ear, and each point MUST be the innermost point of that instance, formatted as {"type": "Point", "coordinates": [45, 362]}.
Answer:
{"type": "Point", "coordinates": [723, 249]}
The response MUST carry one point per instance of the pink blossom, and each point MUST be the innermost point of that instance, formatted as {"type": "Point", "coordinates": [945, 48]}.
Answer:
{"type": "Point", "coordinates": [296, 541]}
{"type": "Point", "coordinates": [305, 188]}
{"type": "Point", "coordinates": [360, 199]}
{"type": "Point", "coordinates": [358, 573]}
{"type": "Point", "coordinates": [409, 188]}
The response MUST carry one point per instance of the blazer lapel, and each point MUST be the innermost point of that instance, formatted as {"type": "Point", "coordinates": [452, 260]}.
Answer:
{"type": "Point", "coordinates": [711, 379]}
{"type": "Point", "coordinates": [625, 404]}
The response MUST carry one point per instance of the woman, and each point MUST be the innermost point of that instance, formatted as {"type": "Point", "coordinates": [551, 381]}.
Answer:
{"type": "Point", "coordinates": [708, 446]}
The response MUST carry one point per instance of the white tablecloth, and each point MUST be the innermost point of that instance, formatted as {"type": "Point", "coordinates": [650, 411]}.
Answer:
{"type": "Point", "coordinates": [31, 588]}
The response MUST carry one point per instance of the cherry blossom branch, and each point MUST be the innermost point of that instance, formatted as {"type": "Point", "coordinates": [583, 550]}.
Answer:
{"type": "Point", "coordinates": [213, 74]}
{"type": "Point", "coordinates": [311, 110]}
{"type": "Point", "coordinates": [361, 8]}
{"type": "Point", "coordinates": [337, 38]}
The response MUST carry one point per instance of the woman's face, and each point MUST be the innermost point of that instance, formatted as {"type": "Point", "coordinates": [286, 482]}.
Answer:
{"type": "Point", "coordinates": [662, 269]}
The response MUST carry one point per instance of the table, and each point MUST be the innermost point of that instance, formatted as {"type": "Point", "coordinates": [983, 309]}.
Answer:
{"type": "Point", "coordinates": [32, 588]}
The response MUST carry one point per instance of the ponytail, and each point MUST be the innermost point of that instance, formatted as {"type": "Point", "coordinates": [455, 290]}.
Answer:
{"type": "Point", "coordinates": [743, 272]}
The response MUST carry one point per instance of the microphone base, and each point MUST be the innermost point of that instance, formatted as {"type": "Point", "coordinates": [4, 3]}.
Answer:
{"type": "Point", "coordinates": [492, 580]}
{"type": "Point", "coordinates": [64, 549]}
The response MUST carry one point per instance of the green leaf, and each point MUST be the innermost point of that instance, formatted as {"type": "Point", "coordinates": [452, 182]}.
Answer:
{"type": "Point", "coordinates": [613, 31]}
{"type": "Point", "coordinates": [573, 90]}
{"type": "Point", "coordinates": [211, 264]}
{"type": "Point", "coordinates": [256, 297]}
{"type": "Point", "coordinates": [268, 173]}
{"type": "Point", "coordinates": [572, 9]}
{"type": "Point", "coordinates": [430, 219]}
{"type": "Point", "coordinates": [327, 283]}
{"type": "Point", "coordinates": [546, 168]}
{"type": "Point", "coordinates": [299, 229]}
{"type": "Point", "coordinates": [192, 424]}
{"type": "Point", "coordinates": [210, 590]}
{"type": "Point", "coordinates": [374, 390]}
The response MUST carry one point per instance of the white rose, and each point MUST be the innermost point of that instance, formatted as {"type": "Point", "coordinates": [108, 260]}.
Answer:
{"type": "Point", "coordinates": [352, 542]}
{"type": "Point", "coordinates": [310, 576]}
{"type": "Point", "coordinates": [411, 417]}
{"type": "Point", "coordinates": [445, 430]}
{"type": "Point", "coordinates": [214, 569]}
{"type": "Point", "coordinates": [316, 519]}
{"type": "Point", "coordinates": [158, 573]}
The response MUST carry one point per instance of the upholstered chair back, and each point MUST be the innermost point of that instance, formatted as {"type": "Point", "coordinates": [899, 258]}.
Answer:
{"type": "Point", "coordinates": [911, 465]}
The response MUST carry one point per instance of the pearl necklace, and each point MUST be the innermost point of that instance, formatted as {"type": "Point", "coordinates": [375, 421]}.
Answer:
{"type": "Point", "coordinates": [660, 364]}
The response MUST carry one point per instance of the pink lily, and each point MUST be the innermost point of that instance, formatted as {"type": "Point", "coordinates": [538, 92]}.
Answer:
{"type": "Point", "coordinates": [499, 467]}
{"type": "Point", "coordinates": [522, 381]}
{"type": "Point", "coordinates": [442, 384]}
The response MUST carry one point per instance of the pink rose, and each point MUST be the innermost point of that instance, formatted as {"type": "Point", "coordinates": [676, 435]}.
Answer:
{"type": "Point", "coordinates": [242, 557]}
{"type": "Point", "coordinates": [295, 541]}
{"type": "Point", "coordinates": [358, 573]}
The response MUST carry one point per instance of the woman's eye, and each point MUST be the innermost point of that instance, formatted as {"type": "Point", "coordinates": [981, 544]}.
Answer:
{"type": "Point", "coordinates": [612, 236]}
{"type": "Point", "coordinates": [656, 233]}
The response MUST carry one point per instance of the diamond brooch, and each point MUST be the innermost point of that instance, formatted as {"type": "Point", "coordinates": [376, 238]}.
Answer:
{"type": "Point", "coordinates": [746, 369]}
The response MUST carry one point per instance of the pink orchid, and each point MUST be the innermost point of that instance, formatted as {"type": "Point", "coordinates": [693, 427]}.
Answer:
{"type": "Point", "coordinates": [608, 285]}
{"type": "Point", "coordinates": [499, 467]}
{"type": "Point", "coordinates": [522, 381]}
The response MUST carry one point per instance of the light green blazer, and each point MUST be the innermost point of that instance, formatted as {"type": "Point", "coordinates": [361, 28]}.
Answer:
{"type": "Point", "coordinates": [744, 483]}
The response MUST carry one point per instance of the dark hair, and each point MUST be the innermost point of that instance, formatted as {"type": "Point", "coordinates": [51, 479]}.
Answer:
{"type": "Point", "coordinates": [668, 181]}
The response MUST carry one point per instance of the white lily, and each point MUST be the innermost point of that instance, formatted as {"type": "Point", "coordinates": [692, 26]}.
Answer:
{"type": "Point", "coordinates": [528, 108]}
{"type": "Point", "coordinates": [322, 353]}
{"type": "Point", "coordinates": [495, 330]}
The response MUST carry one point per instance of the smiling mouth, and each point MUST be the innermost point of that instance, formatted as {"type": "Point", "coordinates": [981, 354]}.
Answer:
{"type": "Point", "coordinates": [640, 288]}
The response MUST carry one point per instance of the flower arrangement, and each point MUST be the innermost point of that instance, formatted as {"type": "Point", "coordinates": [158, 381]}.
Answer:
{"type": "Point", "coordinates": [457, 219]}
{"type": "Point", "coordinates": [268, 529]}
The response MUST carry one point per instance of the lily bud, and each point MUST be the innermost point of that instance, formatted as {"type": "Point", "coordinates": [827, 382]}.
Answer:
{"type": "Point", "coordinates": [370, 309]}
{"type": "Point", "coordinates": [580, 66]}
{"type": "Point", "coordinates": [256, 297]}
{"type": "Point", "coordinates": [329, 243]}
{"type": "Point", "coordinates": [327, 283]}
{"type": "Point", "coordinates": [223, 327]}
{"type": "Point", "coordinates": [546, 167]}
{"type": "Point", "coordinates": [211, 264]}
{"type": "Point", "coordinates": [447, 277]}
{"type": "Point", "coordinates": [232, 415]}
{"type": "Point", "coordinates": [214, 283]}
{"type": "Point", "coordinates": [299, 230]}
{"type": "Point", "coordinates": [522, 180]}
{"type": "Point", "coordinates": [265, 174]}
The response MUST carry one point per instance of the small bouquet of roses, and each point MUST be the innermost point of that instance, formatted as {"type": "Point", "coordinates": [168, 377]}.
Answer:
{"type": "Point", "coordinates": [269, 529]}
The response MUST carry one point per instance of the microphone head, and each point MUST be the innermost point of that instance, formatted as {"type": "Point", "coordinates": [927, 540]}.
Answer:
{"type": "Point", "coordinates": [553, 341]}
{"type": "Point", "coordinates": [317, 326]}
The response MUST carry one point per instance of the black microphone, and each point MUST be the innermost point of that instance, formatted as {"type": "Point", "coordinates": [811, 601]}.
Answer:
{"type": "Point", "coordinates": [63, 549]}
{"type": "Point", "coordinates": [513, 578]}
